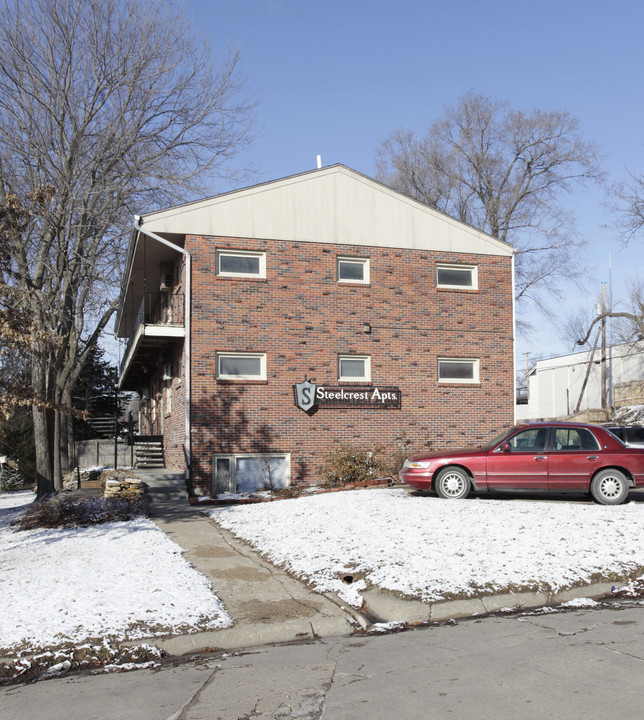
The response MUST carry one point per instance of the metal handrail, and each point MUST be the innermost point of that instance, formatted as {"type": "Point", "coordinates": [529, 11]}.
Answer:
{"type": "Point", "coordinates": [158, 308]}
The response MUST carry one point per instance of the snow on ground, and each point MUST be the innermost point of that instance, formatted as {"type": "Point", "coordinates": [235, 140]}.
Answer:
{"type": "Point", "coordinates": [430, 548]}
{"type": "Point", "coordinates": [14, 500]}
{"type": "Point", "coordinates": [125, 580]}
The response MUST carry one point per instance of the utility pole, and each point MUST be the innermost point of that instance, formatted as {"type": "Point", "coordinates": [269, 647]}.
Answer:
{"type": "Point", "coordinates": [589, 365]}
{"type": "Point", "coordinates": [527, 370]}
{"type": "Point", "coordinates": [116, 422]}
{"type": "Point", "coordinates": [611, 400]}
{"type": "Point", "coordinates": [603, 359]}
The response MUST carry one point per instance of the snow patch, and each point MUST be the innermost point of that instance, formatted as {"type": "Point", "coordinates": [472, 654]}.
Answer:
{"type": "Point", "coordinates": [431, 549]}
{"type": "Point", "coordinates": [580, 603]}
{"type": "Point", "coordinates": [120, 580]}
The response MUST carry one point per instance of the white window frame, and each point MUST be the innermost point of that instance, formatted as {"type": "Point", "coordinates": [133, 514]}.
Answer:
{"type": "Point", "coordinates": [367, 368]}
{"type": "Point", "coordinates": [261, 356]}
{"type": "Point", "coordinates": [456, 266]}
{"type": "Point", "coordinates": [366, 279]}
{"type": "Point", "coordinates": [475, 380]}
{"type": "Point", "coordinates": [233, 457]}
{"type": "Point", "coordinates": [241, 253]}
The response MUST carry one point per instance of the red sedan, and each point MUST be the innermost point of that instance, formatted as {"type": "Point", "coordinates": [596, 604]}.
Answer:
{"type": "Point", "coordinates": [540, 456]}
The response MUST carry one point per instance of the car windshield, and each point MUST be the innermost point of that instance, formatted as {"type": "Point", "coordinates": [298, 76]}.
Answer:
{"type": "Point", "coordinates": [500, 438]}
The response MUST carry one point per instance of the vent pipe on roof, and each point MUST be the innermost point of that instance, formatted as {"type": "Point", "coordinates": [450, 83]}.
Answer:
{"type": "Point", "coordinates": [319, 161]}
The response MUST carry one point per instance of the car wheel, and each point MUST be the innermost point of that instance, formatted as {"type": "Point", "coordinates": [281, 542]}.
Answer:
{"type": "Point", "coordinates": [609, 487]}
{"type": "Point", "coordinates": [453, 483]}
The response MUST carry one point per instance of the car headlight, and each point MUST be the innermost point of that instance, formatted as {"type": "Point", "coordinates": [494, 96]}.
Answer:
{"type": "Point", "coordinates": [416, 464]}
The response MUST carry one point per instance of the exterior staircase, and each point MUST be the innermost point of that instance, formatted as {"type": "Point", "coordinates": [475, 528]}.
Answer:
{"type": "Point", "coordinates": [148, 450]}
{"type": "Point", "coordinates": [101, 425]}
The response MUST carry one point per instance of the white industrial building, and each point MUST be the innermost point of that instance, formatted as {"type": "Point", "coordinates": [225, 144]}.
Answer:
{"type": "Point", "coordinates": [555, 385]}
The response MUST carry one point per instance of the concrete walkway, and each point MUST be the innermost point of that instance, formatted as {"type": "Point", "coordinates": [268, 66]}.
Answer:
{"type": "Point", "coordinates": [266, 604]}
{"type": "Point", "coordinates": [269, 606]}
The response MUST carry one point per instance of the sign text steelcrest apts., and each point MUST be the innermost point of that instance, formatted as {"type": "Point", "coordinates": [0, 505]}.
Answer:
{"type": "Point", "coordinates": [306, 395]}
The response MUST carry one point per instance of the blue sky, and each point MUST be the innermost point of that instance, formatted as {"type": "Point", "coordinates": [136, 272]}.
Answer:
{"type": "Point", "coordinates": [334, 78]}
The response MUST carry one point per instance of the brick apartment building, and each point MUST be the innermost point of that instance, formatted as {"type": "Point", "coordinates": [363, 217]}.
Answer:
{"type": "Point", "coordinates": [271, 324]}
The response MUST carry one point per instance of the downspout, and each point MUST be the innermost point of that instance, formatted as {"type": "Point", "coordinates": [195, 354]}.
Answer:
{"type": "Point", "coordinates": [138, 226]}
{"type": "Point", "coordinates": [514, 347]}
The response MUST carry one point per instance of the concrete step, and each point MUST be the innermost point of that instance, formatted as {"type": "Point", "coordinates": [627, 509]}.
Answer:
{"type": "Point", "coordinates": [149, 455]}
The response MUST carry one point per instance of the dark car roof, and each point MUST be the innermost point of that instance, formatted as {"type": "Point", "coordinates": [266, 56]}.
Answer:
{"type": "Point", "coordinates": [556, 423]}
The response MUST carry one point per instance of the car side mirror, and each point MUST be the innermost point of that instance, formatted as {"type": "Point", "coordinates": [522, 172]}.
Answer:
{"type": "Point", "coordinates": [505, 447]}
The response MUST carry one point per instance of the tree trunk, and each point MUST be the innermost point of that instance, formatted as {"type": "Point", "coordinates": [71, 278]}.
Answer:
{"type": "Point", "coordinates": [42, 436]}
{"type": "Point", "coordinates": [64, 440]}
{"type": "Point", "coordinates": [71, 455]}
{"type": "Point", "coordinates": [44, 474]}
{"type": "Point", "coordinates": [61, 436]}
{"type": "Point", "coordinates": [57, 451]}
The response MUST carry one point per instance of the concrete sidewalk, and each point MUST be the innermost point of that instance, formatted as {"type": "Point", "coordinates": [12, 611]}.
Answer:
{"type": "Point", "coordinates": [269, 606]}
{"type": "Point", "coordinates": [266, 604]}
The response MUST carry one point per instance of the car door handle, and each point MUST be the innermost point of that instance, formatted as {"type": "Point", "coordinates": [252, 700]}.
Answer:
{"type": "Point", "coordinates": [592, 457]}
{"type": "Point", "coordinates": [540, 457]}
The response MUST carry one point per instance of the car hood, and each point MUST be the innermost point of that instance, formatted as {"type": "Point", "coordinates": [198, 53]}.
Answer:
{"type": "Point", "coordinates": [448, 453]}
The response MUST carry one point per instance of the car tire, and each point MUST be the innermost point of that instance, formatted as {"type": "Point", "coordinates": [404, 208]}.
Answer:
{"type": "Point", "coordinates": [609, 487]}
{"type": "Point", "coordinates": [453, 483]}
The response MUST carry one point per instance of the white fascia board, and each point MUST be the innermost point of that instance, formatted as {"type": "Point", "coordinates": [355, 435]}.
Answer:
{"type": "Point", "coordinates": [164, 331]}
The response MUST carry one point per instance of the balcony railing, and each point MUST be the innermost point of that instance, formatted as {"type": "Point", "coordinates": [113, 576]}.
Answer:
{"type": "Point", "coordinates": [159, 308]}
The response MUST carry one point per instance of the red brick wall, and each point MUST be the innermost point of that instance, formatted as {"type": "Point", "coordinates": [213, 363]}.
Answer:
{"type": "Point", "coordinates": [302, 319]}
{"type": "Point", "coordinates": [174, 427]}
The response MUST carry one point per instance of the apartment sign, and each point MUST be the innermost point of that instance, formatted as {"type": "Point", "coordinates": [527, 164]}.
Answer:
{"type": "Point", "coordinates": [307, 395]}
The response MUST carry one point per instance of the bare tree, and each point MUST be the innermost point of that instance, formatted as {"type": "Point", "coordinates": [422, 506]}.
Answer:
{"type": "Point", "coordinates": [574, 327]}
{"type": "Point", "coordinates": [503, 171]}
{"type": "Point", "coordinates": [629, 206]}
{"type": "Point", "coordinates": [627, 330]}
{"type": "Point", "coordinates": [106, 106]}
{"type": "Point", "coordinates": [629, 322]}
{"type": "Point", "coordinates": [17, 329]}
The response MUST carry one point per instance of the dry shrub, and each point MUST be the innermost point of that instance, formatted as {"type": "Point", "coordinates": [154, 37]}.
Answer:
{"type": "Point", "coordinates": [81, 509]}
{"type": "Point", "coordinates": [347, 465]}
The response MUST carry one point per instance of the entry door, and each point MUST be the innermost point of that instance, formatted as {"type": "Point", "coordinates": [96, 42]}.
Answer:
{"type": "Point", "coordinates": [223, 475]}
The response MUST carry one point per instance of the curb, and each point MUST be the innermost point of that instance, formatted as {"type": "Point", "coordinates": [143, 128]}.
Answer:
{"type": "Point", "coordinates": [238, 637]}
{"type": "Point", "coordinates": [385, 607]}
{"type": "Point", "coordinates": [381, 607]}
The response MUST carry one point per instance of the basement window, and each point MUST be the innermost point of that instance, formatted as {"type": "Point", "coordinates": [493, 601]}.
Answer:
{"type": "Point", "coordinates": [249, 472]}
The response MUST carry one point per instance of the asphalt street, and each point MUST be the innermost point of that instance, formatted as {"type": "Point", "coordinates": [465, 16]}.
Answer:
{"type": "Point", "coordinates": [581, 664]}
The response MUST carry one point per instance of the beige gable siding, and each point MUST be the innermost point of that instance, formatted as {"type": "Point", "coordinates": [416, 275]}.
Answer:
{"type": "Point", "coordinates": [332, 205]}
